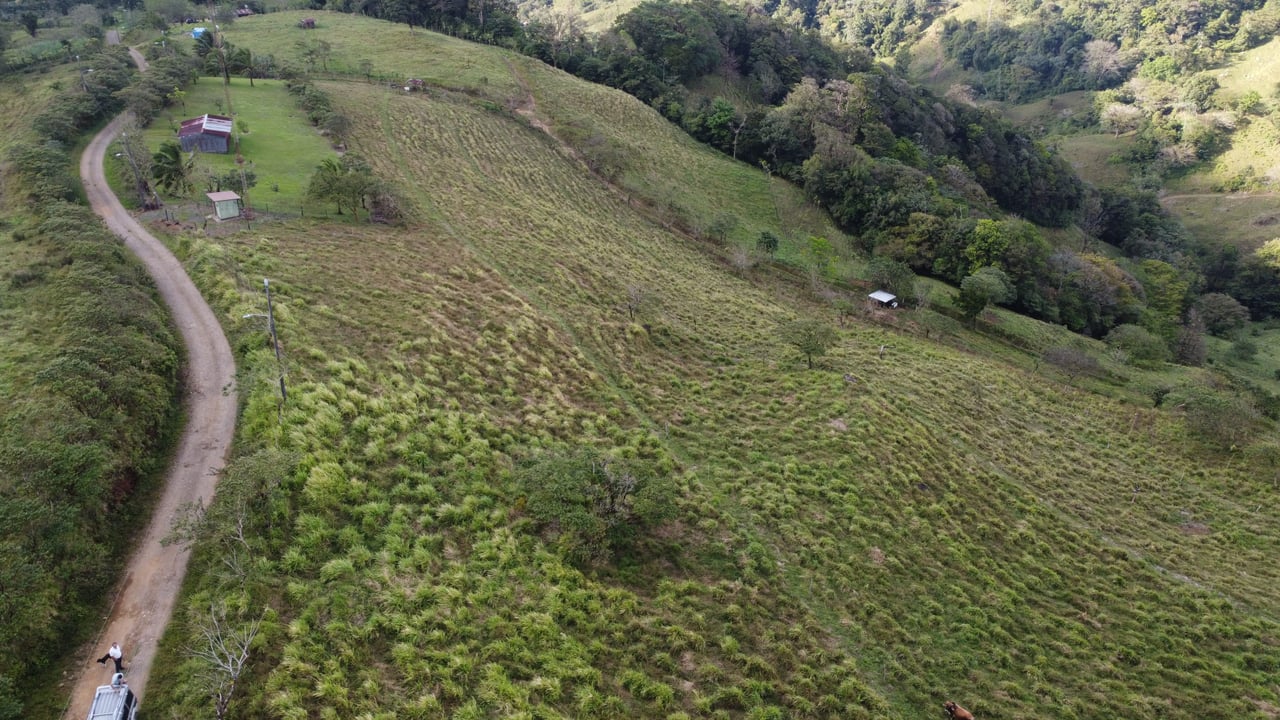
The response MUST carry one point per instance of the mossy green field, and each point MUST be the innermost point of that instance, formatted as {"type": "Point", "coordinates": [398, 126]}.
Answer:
{"type": "Point", "coordinates": [912, 521]}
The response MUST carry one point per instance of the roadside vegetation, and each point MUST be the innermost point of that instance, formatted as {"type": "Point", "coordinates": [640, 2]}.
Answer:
{"type": "Point", "coordinates": [88, 385]}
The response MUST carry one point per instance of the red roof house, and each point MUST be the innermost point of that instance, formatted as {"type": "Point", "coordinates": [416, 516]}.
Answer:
{"type": "Point", "coordinates": [208, 133]}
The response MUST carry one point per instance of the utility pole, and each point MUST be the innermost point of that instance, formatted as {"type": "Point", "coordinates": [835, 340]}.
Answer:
{"type": "Point", "coordinates": [275, 341]}
{"type": "Point", "coordinates": [275, 345]}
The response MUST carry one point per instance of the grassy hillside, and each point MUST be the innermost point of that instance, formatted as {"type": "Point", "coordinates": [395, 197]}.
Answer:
{"type": "Point", "coordinates": [909, 522]}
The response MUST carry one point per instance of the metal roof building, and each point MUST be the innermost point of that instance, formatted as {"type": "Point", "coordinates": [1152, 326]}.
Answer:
{"type": "Point", "coordinates": [226, 205]}
{"type": "Point", "coordinates": [885, 298]}
{"type": "Point", "coordinates": [208, 133]}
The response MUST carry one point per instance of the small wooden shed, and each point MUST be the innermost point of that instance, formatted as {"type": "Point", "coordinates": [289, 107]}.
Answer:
{"type": "Point", "coordinates": [226, 205]}
{"type": "Point", "coordinates": [885, 299]}
{"type": "Point", "coordinates": [208, 133]}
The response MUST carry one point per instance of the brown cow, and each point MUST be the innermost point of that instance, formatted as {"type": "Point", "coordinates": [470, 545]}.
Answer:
{"type": "Point", "coordinates": [955, 712]}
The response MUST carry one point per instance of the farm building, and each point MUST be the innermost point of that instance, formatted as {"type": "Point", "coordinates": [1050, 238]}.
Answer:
{"type": "Point", "coordinates": [207, 133]}
{"type": "Point", "coordinates": [226, 205]}
{"type": "Point", "coordinates": [885, 299]}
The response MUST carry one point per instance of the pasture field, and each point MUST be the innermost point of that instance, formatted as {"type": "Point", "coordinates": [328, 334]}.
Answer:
{"type": "Point", "coordinates": [1090, 155]}
{"type": "Point", "coordinates": [397, 55]}
{"type": "Point", "coordinates": [908, 522]}
{"type": "Point", "coordinates": [1240, 219]}
{"type": "Point", "coordinates": [1254, 69]}
{"type": "Point", "coordinates": [281, 146]}
{"type": "Point", "coordinates": [1049, 114]}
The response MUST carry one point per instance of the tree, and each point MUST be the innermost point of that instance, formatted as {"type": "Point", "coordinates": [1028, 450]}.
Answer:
{"type": "Point", "coordinates": [135, 163]}
{"type": "Point", "coordinates": [1072, 361]}
{"type": "Point", "coordinates": [1120, 118]}
{"type": "Point", "coordinates": [892, 276]}
{"type": "Point", "coordinates": [638, 300]}
{"type": "Point", "coordinates": [223, 647]}
{"type": "Point", "coordinates": [30, 22]}
{"type": "Point", "coordinates": [593, 504]}
{"type": "Point", "coordinates": [811, 337]}
{"type": "Point", "coordinates": [346, 182]}
{"type": "Point", "coordinates": [337, 126]}
{"type": "Point", "coordinates": [222, 57]}
{"type": "Point", "coordinates": [1222, 417]}
{"type": "Point", "coordinates": [767, 243]}
{"type": "Point", "coordinates": [252, 65]}
{"type": "Point", "coordinates": [1103, 61]}
{"type": "Point", "coordinates": [1189, 347]}
{"type": "Point", "coordinates": [1221, 313]}
{"type": "Point", "coordinates": [987, 285]}
{"type": "Point", "coordinates": [172, 171]}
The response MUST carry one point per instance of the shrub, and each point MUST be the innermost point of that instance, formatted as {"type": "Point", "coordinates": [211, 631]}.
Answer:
{"type": "Point", "coordinates": [1221, 417]}
{"type": "Point", "coordinates": [1073, 362]}
{"type": "Point", "coordinates": [1140, 345]}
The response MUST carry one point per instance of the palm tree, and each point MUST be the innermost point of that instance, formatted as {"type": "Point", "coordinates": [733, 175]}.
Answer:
{"type": "Point", "coordinates": [223, 58]}
{"type": "Point", "coordinates": [171, 170]}
{"type": "Point", "coordinates": [252, 65]}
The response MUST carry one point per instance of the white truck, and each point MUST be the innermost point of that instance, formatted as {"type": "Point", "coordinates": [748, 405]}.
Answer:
{"type": "Point", "coordinates": [114, 702]}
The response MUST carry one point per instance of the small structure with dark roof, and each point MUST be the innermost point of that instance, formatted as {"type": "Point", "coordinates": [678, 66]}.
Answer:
{"type": "Point", "coordinates": [886, 299]}
{"type": "Point", "coordinates": [207, 133]}
{"type": "Point", "coordinates": [226, 205]}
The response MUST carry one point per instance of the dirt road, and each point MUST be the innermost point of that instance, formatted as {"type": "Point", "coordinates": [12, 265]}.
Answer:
{"type": "Point", "coordinates": [145, 598]}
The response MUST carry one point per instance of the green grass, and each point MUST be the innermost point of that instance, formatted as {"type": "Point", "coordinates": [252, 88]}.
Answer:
{"type": "Point", "coordinates": [1090, 155]}
{"type": "Point", "coordinates": [950, 521]}
{"type": "Point", "coordinates": [1245, 221]}
{"type": "Point", "coordinates": [1047, 113]}
{"type": "Point", "coordinates": [398, 54]}
{"type": "Point", "coordinates": [282, 146]}
{"type": "Point", "coordinates": [1262, 368]}
{"type": "Point", "coordinates": [1251, 70]}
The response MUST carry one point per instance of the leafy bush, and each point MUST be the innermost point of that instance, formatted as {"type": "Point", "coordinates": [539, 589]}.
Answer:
{"type": "Point", "coordinates": [1073, 362]}
{"type": "Point", "coordinates": [1140, 346]}
{"type": "Point", "coordinates": [82, 439]}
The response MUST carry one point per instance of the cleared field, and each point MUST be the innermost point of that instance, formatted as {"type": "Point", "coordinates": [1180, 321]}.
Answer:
{"type": "Point", "coordinates": [935, 523]}
{"type": "Point", "coordinates": [1243, 220]}
{"type": "Point", "coordinates": [398, 54]}
{"type": "Point", "coordinates": [1048, 112]}
{"type": "Point", "coordinates": [281, 147]}
{"type": "Point", "coordinates": [1090, 156]}
{"type": "Point", "coordinates": [1255, 69]}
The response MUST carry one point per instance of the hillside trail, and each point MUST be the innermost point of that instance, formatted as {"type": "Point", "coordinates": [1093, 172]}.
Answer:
{"type": "Point", "coordinates": [527, 108]}
{"type": "Point", "coordinates": [145, 597]}
{"type": "Point", "coordinates": [1220, 196]}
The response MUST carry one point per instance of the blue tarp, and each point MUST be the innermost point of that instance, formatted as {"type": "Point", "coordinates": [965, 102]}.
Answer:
{"type": "Point", "coordinates": [197, 32]}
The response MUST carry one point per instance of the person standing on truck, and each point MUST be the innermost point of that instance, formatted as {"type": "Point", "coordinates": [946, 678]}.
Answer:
{"type": "Point", "coordinates": [116, 654]}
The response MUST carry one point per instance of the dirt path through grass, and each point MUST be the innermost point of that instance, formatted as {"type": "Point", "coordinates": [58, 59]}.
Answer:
{"type": "Point", "coordinates": [145, 597]}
